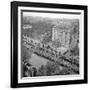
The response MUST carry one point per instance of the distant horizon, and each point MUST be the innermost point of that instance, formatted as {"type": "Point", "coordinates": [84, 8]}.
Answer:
{"type": "Point", "coordinates": [51, 15]}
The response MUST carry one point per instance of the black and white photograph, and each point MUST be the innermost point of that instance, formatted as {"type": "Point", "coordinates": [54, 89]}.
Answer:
{"type": "Point", "coordinates": [50, 44]}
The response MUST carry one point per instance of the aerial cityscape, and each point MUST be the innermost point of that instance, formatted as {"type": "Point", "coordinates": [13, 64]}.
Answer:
{"type": "Point", "coordinates": [49, 46]}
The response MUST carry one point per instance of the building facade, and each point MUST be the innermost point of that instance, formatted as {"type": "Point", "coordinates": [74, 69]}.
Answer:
{"type": "Point", "coordinates": [62, 35]}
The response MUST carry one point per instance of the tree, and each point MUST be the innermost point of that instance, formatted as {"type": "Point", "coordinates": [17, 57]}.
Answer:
{"type": "Point", "coordinates": [41, 71]}
{"type": "Point", "coordinates": [52, 68]}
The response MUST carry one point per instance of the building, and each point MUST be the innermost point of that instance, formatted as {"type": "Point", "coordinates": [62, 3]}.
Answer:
{"type": "Point", "coordinates": [62, 35]}
{"type": "Point", "coordinates": [54, 34]}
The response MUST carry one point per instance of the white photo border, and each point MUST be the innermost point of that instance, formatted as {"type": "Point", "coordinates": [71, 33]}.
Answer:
{"type": "Point", "coordinates": [51, 78]}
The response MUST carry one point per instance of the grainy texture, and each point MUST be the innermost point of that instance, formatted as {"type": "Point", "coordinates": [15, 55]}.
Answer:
{"type": "Point", "coordinates": [50, 46]}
